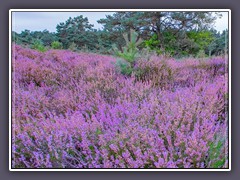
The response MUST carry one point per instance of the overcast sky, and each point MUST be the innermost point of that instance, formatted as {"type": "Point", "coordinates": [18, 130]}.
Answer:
{"type": "Point", "coordinates": [38, 21]}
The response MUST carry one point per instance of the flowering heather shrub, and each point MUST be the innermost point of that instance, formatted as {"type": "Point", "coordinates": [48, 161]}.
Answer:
{"type": "Point", "coordinates": [75, 110]}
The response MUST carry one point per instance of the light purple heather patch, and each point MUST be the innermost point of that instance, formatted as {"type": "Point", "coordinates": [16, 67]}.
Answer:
{"type": "Point", "coordinates": [76, 111]}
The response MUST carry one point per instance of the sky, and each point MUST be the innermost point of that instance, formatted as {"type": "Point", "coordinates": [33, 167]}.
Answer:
{"type": "Point", "coordinates": [39, 21]}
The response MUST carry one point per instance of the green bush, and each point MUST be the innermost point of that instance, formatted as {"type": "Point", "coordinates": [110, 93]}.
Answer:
{"type": "Point", "coordinates": [124, 67]}
{"type": "Point", "coordinates": [201, 54]}
{"type": "Point", "coordinates": [38, 45]}
{"type": "Point", "coordinates": [56, 45]}
{"type": "Point", "coordinates": [73, 47]}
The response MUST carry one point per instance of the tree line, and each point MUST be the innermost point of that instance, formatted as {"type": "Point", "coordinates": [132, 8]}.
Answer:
{"type": "Point", "coordinates": [176, 34]}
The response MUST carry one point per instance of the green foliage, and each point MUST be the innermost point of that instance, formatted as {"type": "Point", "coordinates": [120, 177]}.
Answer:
{"type": "Point", "coordinates": [38, 45]}
{"type": "Point", "coordinates": [118, 23]}
{"type": "Point", "coordinates": [215, 154]}
{"type": "Point", "coordinates": [219, 45]}
{"type": "Point", "coordinates": [203, 42]}
{"type": "Point", "coordinates": [79, 31]}
{"type": "Point", "coordinates": [16, 38]}
{"type": "Point", "coordinates": [163, 32]}
{"type": "Point", "coordinates": [47, 37]}
{"type": "Point", "coordinates": [124, 67]}
{"type": "Point", "coordinates": [85, 48]}
{"type": "Point", "coordinates": [170, 42]}
{"type": "Point", "coordinates": [98, 131]}
{"type": "Point", "coordinates": [127, 54]}
{"type": "Point", "coordinates": [201, 54]}
{"type": "Point", "coordinates": [56, 45]}
{"type": "Point", "coordinates": [183, 34]}
{"type": "Point", "coordinates": [104, 44]}
{"type": "Point", "coordinates": [202, 38]}
{"type": "Point", "coordinates": [153, 42]}
{"type": "Point", "coordinates": [130, 51]}
{"type": "Point", "coordinates": [73, 47]}
{"type": "Point", "coordinates": [28, 38]}
{"type": "Point", "coordinates": [179, 43]}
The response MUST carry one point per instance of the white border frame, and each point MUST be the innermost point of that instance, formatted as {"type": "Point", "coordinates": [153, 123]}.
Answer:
{"type": "Point", "coordinates": [114, 10]}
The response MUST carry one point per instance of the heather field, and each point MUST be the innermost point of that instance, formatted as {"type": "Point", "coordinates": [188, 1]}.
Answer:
{"type": "Point", "coordinates": [77, 110]}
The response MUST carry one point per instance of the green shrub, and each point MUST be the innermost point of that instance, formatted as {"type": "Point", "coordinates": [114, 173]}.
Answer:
{"type": "Point", "coordinates": [124, 67]}
{"type": "Point", "coordinates": [38, 45]}
{"type": "Point", "coordinates": [201, 54]}
{"type": "Point", "coordinates": [73, 47]}
{"type": "Point", "coordinates": [56, 45]}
